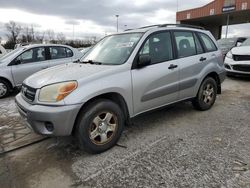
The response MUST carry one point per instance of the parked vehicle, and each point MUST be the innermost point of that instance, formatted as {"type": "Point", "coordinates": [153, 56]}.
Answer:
{"type": "Point", "coordinates": [2, 51]}
{"type": "Point", "coordinates": [237, 61]}
{"type": "Point", "coordinates": [22, 62]}
{"type": "Point", "coordinates": [85, 50]}
{"type": "Point", "coordinates": [124, 75]}
{"type": "Point", "coordinates": [227, 44]}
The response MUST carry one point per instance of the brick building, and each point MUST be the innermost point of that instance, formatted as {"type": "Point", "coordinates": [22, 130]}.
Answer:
{"type": "Point", "coordinates": [216, 14]}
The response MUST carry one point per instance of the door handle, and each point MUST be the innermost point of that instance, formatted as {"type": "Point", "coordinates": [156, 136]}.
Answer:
{"type": "Point", "coordinates": [44, 67]}
{"type": "Point", "coordinates": [203, 59]}
{"type": "Point", "coordinates": [172, 66]}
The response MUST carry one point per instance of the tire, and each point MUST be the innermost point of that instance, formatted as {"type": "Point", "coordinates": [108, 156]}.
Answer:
{"type": "Point", "coordinates": [100, 118]}
{"type": "Point", "coordinates": [206, 95]}
{"type": "Point", "coordinates": [4, 88]}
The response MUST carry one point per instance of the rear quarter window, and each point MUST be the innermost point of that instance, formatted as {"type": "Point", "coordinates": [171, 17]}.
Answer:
{"type": "Point", "coordinates": [207, 42]}
{"type": "Point", "coordinates": [69, 52]}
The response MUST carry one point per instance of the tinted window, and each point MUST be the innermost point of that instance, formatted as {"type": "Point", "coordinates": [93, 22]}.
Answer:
{"type": "Point", "coordinates": [199, 49]}
{"type": "Point", "coordinates": [32, 55]}
{"type": "Point", "coordinates": [159, 47]}
{"type": "Point", "coordinates": [209, 45]}
{"type": "Point", "coordinates": [58, 52]}
{"type": "Point", "coordinates": [185, 44]}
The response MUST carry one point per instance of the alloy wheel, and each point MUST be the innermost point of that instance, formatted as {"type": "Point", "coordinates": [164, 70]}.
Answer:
{"type": "Point", "coordinates": [103, 128]}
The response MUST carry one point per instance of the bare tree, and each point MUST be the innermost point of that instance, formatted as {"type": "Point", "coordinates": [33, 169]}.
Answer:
{"type": "Point", "coordinates": [61, 38]}
{"type": "Point", "coordinates": [39, 37]}
{"type": "Point", "coordinates": [28, 34]}
{"type": "Point", "coordinates": [13, 31]}
{"type": "Point", "coordinates": [50, 35]}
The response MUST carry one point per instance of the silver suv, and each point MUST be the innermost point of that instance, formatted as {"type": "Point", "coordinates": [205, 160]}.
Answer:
{"type": "Point", "coordinates": [22, 62]}
{"type": "Point", "coordinates": [122, 76]}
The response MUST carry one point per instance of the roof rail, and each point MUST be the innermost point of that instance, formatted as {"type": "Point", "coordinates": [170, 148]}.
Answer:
{"type": "Point", "coordinates": [183, 25]}
{"type": "Point", "coordinates": [170, 25]}
{"type": "Point", "coordinates": [144, 27]}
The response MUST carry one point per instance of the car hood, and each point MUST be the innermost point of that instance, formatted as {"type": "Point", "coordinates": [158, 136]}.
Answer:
{"type": "Point", "coordinates": [241, 50]}
{"type": "Point", "coordinates": [66, 72]}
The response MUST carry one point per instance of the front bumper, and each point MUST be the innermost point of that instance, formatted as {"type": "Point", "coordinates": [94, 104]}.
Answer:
{"type": "Point", "coordinates": [229, 66]}
{"type": "Point", "coordinates": [48, 120]}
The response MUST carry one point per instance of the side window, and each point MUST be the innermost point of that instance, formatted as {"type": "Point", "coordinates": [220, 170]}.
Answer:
{"type": "Point", "coordinates": [69, 52]}
{"type": "Point", "coordinates": [57, 52]}
{"type": "Point", "coordinates": [32, 55]}
{"type": "Point", "coordinates": [198, 45]}
{"type": "Point", "coordinates": [185, 43]}
{"type": "Point", "coordinates": [158, 47]}
{"type": "Point", "coordinates": [209, 44]}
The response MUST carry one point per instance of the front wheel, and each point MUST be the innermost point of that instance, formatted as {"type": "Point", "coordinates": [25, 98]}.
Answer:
{"type": "Point", "coordinates": [206, 95]}
{"type": "Point", "coordinates": [4, 88]}
{"type": "Point", "coordinates": [99, 126]}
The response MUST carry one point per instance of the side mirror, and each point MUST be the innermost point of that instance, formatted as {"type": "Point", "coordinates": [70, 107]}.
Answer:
{"type": "Point", "coordinates": [144, 60]}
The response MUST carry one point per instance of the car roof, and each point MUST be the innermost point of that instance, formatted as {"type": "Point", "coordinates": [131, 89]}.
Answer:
{"type": "Point", "coordinates": [43, 45]}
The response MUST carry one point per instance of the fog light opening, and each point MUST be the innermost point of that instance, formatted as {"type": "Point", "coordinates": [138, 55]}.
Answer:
{"type": "Point", "coordinates": [49, 126]}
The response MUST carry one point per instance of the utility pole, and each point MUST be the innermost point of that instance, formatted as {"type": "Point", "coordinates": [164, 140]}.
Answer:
{"type": "Point", "coordinates": [73, 32]}
{"type": "Point", "coordinates": [117, 16]}
{"type": "Point", "coordinates": [228, 17]}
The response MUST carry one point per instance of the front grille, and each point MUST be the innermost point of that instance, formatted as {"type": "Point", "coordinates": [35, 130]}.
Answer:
{"type": "Point", "coordinates": [244, 68]}
{"type": "Point", "coordinates": [241, 57]}
{"type": "Point", "coordinates": [28, 92]}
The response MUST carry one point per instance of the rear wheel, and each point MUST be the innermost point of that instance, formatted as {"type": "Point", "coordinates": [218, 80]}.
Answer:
{"type": "Point", "coordinates": [99, 126]}
{"type": "Point", "coordinates": [206, 95]}
{"type": "Point", "coordinates": [4, 88]}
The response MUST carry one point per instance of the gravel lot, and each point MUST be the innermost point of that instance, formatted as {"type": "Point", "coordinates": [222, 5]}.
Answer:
{"type": "Point", "coordinates": [173, 147]}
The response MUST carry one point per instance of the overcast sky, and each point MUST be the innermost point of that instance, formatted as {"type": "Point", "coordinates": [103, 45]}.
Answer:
{"type": "Point", "coordinates": [95, 17]}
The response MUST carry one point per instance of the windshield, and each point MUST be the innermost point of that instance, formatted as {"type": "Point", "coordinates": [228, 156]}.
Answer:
{"type": "Point", "coordinates": [246, 43]}
{"type": "Point", "coordinates": [6, 56]}
{"type": "Point", "coordinates": [230, 42]}
{"type": "Point", "coordinates": [113, 50]}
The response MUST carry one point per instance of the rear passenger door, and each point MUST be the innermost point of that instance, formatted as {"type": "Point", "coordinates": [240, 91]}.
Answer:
{"type": "Point", "coordinates": [191, 61]}
{"type": "Point", "coordinates": [212, 54]}
{"type": "Point", "coordinates": [60, 55]}
{"type": "Point", "coordinates": [156, 84]}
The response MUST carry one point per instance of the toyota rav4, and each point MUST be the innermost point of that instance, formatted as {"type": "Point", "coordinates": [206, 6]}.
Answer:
{"type": "Point", "coordinates": [122, 76]}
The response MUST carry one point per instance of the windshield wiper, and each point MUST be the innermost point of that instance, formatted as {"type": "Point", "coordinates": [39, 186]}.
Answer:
{"type": "Point", "coordinates": [92, 62]}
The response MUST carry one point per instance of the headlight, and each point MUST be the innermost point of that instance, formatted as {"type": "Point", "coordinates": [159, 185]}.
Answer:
{"type": "Point", "coordinates": [56, 92]}
{"type": "Point", "coordinates": [229, 55]}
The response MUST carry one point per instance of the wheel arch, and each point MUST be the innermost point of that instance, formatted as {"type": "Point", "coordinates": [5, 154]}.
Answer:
{"type": "Point", "coordinates": [216, 77]}
{"type": "Point", "coordinates": [113, 96]}
{"type": "Point", "coordinates": [8, 81]}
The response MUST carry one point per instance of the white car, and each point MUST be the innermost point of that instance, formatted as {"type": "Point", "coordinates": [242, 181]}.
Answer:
{"type": "Point", "coordinates": [237, 61]}
{"type": "Point", "coordinates": [24, 61]}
